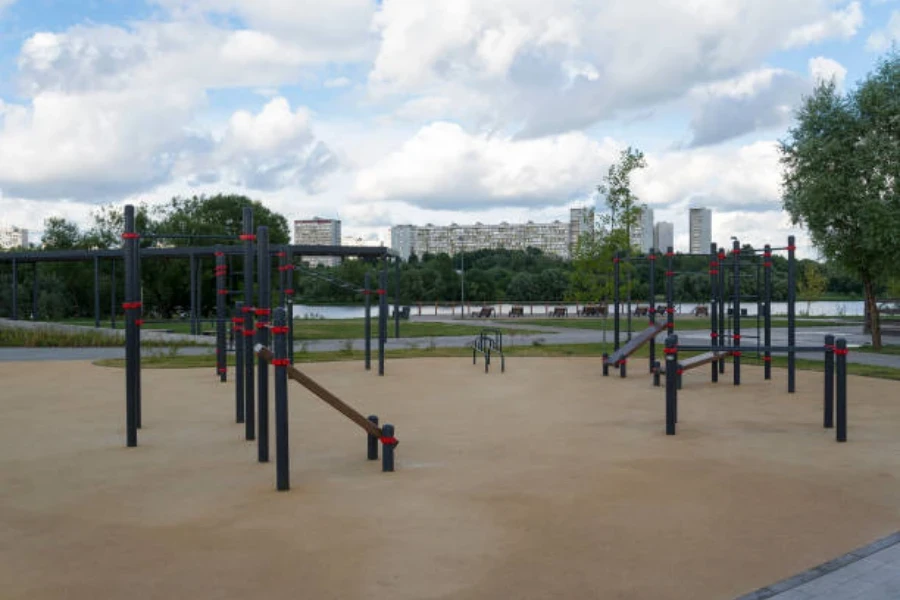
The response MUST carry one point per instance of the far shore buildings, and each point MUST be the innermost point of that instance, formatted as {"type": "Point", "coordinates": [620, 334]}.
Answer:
{"type": "Point", "coordinates": [318, 232]}
{"type": "Point", "coordinates": [13, 237]}
{"type": "Point", "coordinates": [558, 238]}
{"type": "Point", "coordinates": [664, 236]}
{"type": "Point", "coordinates": [700, 230]}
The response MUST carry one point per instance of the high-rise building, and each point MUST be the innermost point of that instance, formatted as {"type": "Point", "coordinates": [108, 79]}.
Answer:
{"type": "Point", "coordinates": [557, 238]}
{"type": "Point", "coordinates": [664, 236]}
{"type": "Point", "coordinates": [642, 230]}
{"type": "Point", "coordinates": [700, 230]}
{"type": "Point", "coordinates": [13, 237]}
{"type": "Point", "coordinates": [318, 232]}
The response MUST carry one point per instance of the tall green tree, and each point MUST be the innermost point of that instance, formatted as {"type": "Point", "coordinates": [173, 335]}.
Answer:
{"type": "Point", "coordinates": [623, 212]}
{"type": "Point", "coordinates": [219, 214]}
{"type": "Point", "coordinates": [841, 175]}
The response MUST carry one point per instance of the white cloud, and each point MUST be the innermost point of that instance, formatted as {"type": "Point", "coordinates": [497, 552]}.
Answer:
{"type": "Point", "coordinates": [553, 67]}
{"type": "Point", "coordinates": [443, 166]}
{"type": "Point", "coordinates": [881, 39]}
{"type": "Point", "coordinates": [826, 69]}
{"type": "Point", "coordinates": [337, 82]}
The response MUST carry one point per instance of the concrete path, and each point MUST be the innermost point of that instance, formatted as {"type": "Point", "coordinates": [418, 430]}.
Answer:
{"type": "Point", "coordinates": [868, 573]}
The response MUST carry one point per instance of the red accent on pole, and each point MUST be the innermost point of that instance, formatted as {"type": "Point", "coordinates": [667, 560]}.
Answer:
{"type": "Point", "coordinates": [249, 333]}
{"type": "Point", "coordinates": [246, 309]}
{"type": "Point", "coordinates": [380, 292]}
{"type": "Point", "coordinates": [222, 370]}
{"type": "Point", "coordinates": [767, 265]}
{"type": "Point", "coordinates": [280, 330]}
{"type": "Point", "coordinates": [652, 257]}
{"type": "Point", "coordinates": [238, 320]}
{"type": "Point", "coordinates": [131, 236]}
{"type": "Point", "coordinates": [670, 273]}
{"type": "Point", "coordinates": [713, 335]}
{"type": "Point", "coordinates": [263, 312]}
{"type": "Point", "coordinates": [138, 322]}
{"type": "Point", "coordinates": [391, 441]}
{"type": "Point", "coordinates": [767, 359]}
{"type": "Point", "coordinates": [670, 350]}
{"type": "Point", "coordinates": [791, 248]}
{"type": "Point", "coordinates": [280, 254]}
{"type": "Point", "coordinates": [671, 311]}
{"type": "Point", "coordinates": [679, 372]}
{"type": "Point", "coordinates": [669, 254]}
{"type": "Point", "coordinates": [247, 237]}
{"type": "Point", "coordinates": [223, 292]}
{"type": "Point", "coordinates": [840, 352]}
{"type": "Point", "coordinates": [737, 336]}
{"type": "Point", "coordinates": [736, 353]}
{"type": "Point", "coordinates": [219, 254]}
{"type": "Point", "coordinates": [281, 362]}
{"type": "Point", "coordinates": [289, 292]}
{"type": "Point", "coordinates": [131, 305]}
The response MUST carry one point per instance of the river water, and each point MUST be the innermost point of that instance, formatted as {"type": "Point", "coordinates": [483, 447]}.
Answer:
{"type": "Point", "coordinates": [820, 308]}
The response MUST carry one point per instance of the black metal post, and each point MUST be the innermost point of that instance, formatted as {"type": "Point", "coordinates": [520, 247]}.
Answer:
{"type": "Point", "coordinates": [397, 298]}
{"type": "Point", "coordinates": [736, 308]}
{"type": "Point", "coordinates": [199, 289]}
{"type": "Point", "coordinates": [130, 248]}
{"type": "Point", "coordinates": [828, 421]}
{"type": "Point", "coordinates": [367, 326]}
{"type": "Point", "coordinates": [15, 290]}
{"type": "Point", "coordinates": [221, 272]}
{"type": "Point", "coordinates": [671, 352]}
{"type": "Point", "coordinates": [139, 295]}
{"type": "Point", "coordinates": [289, 300]}
{"type": "Point", "coordinates": [390, 443]}
{"type": "Point", "coordinates": [193, 286]}
{"type": "Point", "coordinates": [238, 320]}
{"type": "Point", "coordinates": [792, 300]}
{"type": "Point", "coordinates": [263, 312]}
{"type": "Point", "coordinates": [112, 294]}
{"type": "Point", "coordinates": [97, 292]}
{"type": "Point", "coordinates": [281, 362]}
{"type": "Point", "coordinates": [840, 352]}
{"type": "Point", "coordinates": [651, 306]}
{"type": "Point", "coordinates": [248, 238]}
{"type": "Point", "coordinates": [713, 306]}
{"type": "Point", "coordinates": [249, 379]}
{"type": "Point", "coordinates": [670, 290]}
{"type": "Point", "coordinates": [605, 362]}
{"type": "Point", "coordinates": [382, 317]}
{"type": "Point", "coordinates": [616, 302]}
{"type": "Point", "coordinates": [721, 336]}
{"type": "Point", "coordinates": [767, 326]}
{"type": "Point", "coordinates": [34, 292]}
{"type": "Point", "coordinates": [372, 441]}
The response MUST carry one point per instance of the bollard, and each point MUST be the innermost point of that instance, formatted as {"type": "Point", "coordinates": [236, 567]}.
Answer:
{"type": "Point", "coordinates": [132, 346]}
{"type": "Point", "coordinates": [828, 420]}
{"type": "Point", "coordinates": [605, 364]}
{"type": "Point", "coordinates": [840, 353]}
{"type": "Point", "coordinates": [671, 352]}
{"type": "Point", "coordinates": [373, 440]}
{"type": "Point", "coordinates": [622, 367]}
{"type": "Point", "coordinates": [656, 369]}
{"type": "Point", "coordinates": [281, 361]}
{"type": "Point", "coordinates": [390, 442]}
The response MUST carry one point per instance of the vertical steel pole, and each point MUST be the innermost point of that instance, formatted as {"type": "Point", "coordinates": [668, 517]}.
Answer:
{"type": "Point", "coordinates": [199, 289]}
{"type": "Point", "coordinates": [396, 298]}
{"type": "Point", "coordinates": [792, 299]}
{"type": "Point", "coordinates": [736, 308]}
{"type": "Point", "coordinates": [382, 316]}
{"type": "Point", "coordinates": [670, 290]}
{"type": "Point", "coordinates": [672, 367]}
{"type": "Point", "coordinates": [713, 307]}
{"type": "Point", "coordinates": [367, 293]}
{"type": "Point", "coordinates": [651, 308]}
{"type": "Point", "coordinates": [767, 326]}
{"type": "Point", "coordinates": [289, 300]}
{"type": "Point", "coordinates": [97, 291]}
{"type": "Point", "coordinates": [34, 292]}
{"type": "Point", "coordinates": [721, 336]}
{"type": "Point", "coordinates": [616, 302]}
{"type": "Point", "coordinates": [221, 294]}
{"type": "Point", "coordinates": [281, 362]}
{"type": "Point", "coordinates": [129, 248]}
{"type": "Point", "coordinates": [248, 238]}
{"type": "Point", "coordinates": [15, 289]}
{"type": "Point", "coordinates": [238, 321]}
{"type": "Point", "coordinates": [112, 294]}
{"type": "Point", "coordinates": [828, 420]}
{"type": "Point", "coordinates": [840, 352]}
{"type": "Point", "coordinates": [193, 291]}
{"type": "Point", "coordinates": [263, 312]}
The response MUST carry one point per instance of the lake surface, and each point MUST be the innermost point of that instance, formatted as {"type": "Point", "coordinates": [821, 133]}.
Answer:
{"type": "Point", "coordinates": [820, 308]}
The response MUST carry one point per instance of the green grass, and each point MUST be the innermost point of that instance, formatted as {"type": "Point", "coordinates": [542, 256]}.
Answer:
{"type": "Point", "coordinates": [172, 361]}
{"type": "Point", "coordinates": [892, 350]}
{"type": "Point", "coordinates": [43, 337]}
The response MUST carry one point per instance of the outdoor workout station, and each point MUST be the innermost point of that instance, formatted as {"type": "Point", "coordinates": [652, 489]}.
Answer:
{"type": "Point", "coordinates": [726, 328]}
{"type": "Point", "coordinates": [250, 325]}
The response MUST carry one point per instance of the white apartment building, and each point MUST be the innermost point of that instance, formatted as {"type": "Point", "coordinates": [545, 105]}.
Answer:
{"type": "Point", "coordinates": [13, 237]}
{"type": "Point", "coordinates": [557, 238]}
{"type": "Point", "coordinates": [664, 236]}
{"type": "Point", "coordinates": [642, 231]}
{"type": "Point", "coordinates": [318, 232]}
{"type": "Point", "coordinates": [700, 230]}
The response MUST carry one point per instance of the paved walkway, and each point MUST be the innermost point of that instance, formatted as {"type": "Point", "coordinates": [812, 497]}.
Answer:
{"type": "Point", "coordinates": [868, 573]}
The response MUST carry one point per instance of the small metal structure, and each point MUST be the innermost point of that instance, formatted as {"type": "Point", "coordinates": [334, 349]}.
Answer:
{"type": "Point", "coordinates": [487, 342]}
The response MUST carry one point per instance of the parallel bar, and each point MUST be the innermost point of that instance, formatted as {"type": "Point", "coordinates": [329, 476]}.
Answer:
{"type": "Point", "coordinates": [282, 451]}
{"type": "Point", "coordinates": [828, 420]}
{"type": "Point", "coordinates": [264, 269]}
{"type": "Point", "coordinates": [97, 292]}
{"type": "Point", "coordinates": [368, 323]}
{"type": "Point", "coordinates": [736, 307]}
{"type": "Point", "coordinates": [129, 247]}
{"type": "Point", "coordinates": [840, 351]}
{"type": "Point", "coordinates": [792, 301]}
{"type": "Point", "coordinates": [335, 402]}
{"type": "Point", "coordinates": [710, 348]}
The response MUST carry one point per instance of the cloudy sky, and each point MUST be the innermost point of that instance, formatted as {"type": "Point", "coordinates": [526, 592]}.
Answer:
{"type": "Point", "coordinates": [415, 111]}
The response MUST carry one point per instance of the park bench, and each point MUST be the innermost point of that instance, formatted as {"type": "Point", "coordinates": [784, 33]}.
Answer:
{"type": "Point", "coordinates": [404, 313]}
{"type": "Point", "coordinates": [641, 311]}
{"type": "Point", "coordinates": [484, 313]}
{"type": "Point", "coordinates": [560, 311]}
{"type": "Point", "coordinates": [517, 311]}
{"type": "Point", "coordinates": [701, 311]}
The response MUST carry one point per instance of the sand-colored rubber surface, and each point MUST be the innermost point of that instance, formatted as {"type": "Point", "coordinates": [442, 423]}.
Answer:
{"type": "Point", "coordinates": [549, 481]}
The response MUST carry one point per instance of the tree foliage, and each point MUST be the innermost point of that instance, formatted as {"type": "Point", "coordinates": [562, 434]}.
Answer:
{"type": "Point", "coordinates": [841, 171]}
